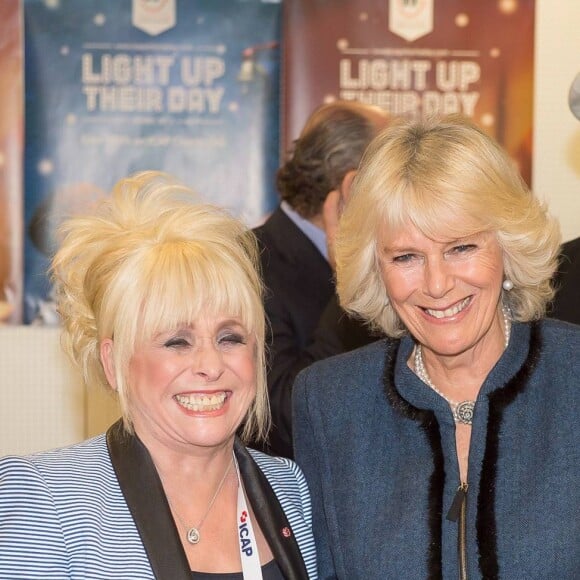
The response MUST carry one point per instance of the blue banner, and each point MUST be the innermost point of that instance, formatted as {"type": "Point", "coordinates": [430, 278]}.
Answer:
{"type": "Point", "coordinates": [190, 87]}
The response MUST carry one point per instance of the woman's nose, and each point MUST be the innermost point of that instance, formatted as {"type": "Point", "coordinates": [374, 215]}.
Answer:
{"type": "Point", "coordinates": [438, 278]}
{"type": "Point", "coordinates": [207, 360]}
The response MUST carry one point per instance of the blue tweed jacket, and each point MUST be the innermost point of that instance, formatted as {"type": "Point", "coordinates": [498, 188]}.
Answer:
{"type": "Point", "coordinates": [97, 510]}
{"type": "Point", "coordinates": [377, 447]}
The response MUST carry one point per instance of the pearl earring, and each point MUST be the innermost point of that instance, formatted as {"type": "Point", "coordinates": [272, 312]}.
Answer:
{"type": "Point", "coordinates": [507, 285]}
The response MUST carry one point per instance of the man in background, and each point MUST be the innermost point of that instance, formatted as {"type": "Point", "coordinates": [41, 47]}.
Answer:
{"type": "Point", "coordinates": [305, 321]}
{"type": "Point", "coordinates": [566, 305]}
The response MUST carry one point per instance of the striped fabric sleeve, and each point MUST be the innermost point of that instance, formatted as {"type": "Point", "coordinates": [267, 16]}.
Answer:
{"type": "Point", "coordinates": [32, 543]}
{"type": "Point", "coordinates": [305, 525]}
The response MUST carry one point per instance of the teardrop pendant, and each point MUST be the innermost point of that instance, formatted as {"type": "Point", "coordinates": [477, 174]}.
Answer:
{"type": "Point", "coordinates": [193, 536]}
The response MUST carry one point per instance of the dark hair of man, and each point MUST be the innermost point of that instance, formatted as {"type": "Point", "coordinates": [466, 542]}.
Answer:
{"type": "Point", "coordinates": [330, 145]}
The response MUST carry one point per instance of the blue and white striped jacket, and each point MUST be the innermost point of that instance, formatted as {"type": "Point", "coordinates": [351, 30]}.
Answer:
{"type": "Point", "coordinates": [63, 515]}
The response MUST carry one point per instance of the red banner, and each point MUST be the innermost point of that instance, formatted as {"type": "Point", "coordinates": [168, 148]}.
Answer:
{"type": "Point", "coordinates": [414, 58]}
{"type": "Point", "coordinates": [11, 138]}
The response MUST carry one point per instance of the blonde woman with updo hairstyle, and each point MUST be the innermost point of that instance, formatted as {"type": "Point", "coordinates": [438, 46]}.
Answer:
{"type": "Point", "coordinates": [161, 301]}
{"type": "Point", "coordinates": [305, 322]}
{"type": "Point", "coordinates": [442, 445]}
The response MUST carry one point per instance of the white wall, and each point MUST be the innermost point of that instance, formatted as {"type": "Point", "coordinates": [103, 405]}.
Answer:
{"type": "Point", "coordinates": [42, 401]}
{"type": "Point", "coordinates": [556, 148]}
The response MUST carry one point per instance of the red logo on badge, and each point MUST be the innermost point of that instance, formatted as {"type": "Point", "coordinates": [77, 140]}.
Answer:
{"type": "Point", "coordinates": [244, 516]}
{"type": "Point", "coordinates": [286, 532]}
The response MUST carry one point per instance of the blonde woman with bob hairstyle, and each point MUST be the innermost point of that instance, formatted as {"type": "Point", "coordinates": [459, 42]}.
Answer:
{"type": "Point", "coordinates": [442, 445]}
{"type": "Point", "coordinates": [161, 301]}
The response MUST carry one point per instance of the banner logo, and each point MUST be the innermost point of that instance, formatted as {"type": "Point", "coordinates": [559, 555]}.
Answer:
{"type": "Point", "coordinates": [153, 16]}
{"type": "Point", "coordinates": [411, 19]}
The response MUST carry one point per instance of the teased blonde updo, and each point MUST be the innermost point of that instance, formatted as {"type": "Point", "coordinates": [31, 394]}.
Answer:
{"type": "Point", "coordinates": [150, 258]}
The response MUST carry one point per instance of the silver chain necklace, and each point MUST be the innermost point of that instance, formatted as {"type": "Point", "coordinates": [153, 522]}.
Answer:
{"type": "Point", "coordinates": [192, 533]}
{"type": "Point", "coordinates": [462, 411]}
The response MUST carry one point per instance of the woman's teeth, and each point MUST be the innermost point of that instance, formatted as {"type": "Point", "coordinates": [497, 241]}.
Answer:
{"type": "Point", "coordinates": [449, 311]}
{"type": "Point", "coordinates": [197, 402]}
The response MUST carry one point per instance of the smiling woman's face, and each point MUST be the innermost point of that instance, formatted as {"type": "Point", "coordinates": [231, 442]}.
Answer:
{"type": "Point", "coordinates": [192, 386]}
{"type": "Point", "coordinates": [446, 292]}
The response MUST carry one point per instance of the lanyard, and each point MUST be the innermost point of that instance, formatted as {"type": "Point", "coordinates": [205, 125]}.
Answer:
{"type": "Point", "coordinates": [247, 541]}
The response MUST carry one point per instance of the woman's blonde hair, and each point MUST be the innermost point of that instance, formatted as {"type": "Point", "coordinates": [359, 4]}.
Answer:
{"type": "Point", "coordinates": [150, 258]}
{"type": "Point", "coordinates": [449, 179]}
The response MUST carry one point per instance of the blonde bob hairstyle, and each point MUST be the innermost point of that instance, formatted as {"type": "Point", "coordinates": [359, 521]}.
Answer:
{"type": "Point", "coordinates": [151, 258]}
{"type": "Point", "coordinates": [450, 180]}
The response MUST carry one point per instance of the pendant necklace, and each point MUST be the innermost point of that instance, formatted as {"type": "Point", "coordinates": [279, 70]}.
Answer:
{"type": "Point", "coordinates": [462, 411]}
{"type": "Point", "coordinates": [192, 533]}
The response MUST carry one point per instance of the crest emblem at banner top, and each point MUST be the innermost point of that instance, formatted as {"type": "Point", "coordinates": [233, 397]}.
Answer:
{"type": "Point", "coordinates": [153, 16]}
{"type": "Point", "coordinates": [411, 19]}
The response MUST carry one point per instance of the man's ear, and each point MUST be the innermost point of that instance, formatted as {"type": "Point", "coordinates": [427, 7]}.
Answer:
{"type": "Point", "coordinates": [346, 184]}
{"type": "Point", "coordinates": [108, 361]}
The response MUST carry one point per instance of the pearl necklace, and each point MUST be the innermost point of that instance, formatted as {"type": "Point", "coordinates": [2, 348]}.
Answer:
{"type": "Point", "coordinates": [192, 533]}
{"type": "Point", "coordinates": [462, 411]}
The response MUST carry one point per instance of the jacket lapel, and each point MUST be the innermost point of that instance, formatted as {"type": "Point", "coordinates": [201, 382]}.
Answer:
{"type": "Point", "coordinates": [143, 492]}
{"type": "Point", "coordinates": [147, 503]}
{"type": "Point", "coordinates": [270, 516]}
{"type": "Point", "coordinates": [284, 237]}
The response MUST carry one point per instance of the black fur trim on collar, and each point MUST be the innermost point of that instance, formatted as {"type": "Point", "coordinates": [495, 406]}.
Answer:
{"type": "Point", "coordinates": [498, 402]}
{"type": "Point", "coordinates": [430, 426]}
